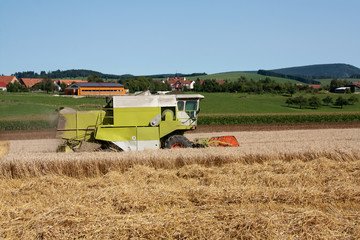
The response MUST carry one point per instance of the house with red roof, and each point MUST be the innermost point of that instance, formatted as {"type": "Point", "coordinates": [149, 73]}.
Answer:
{"type": "Point", "coordinates": [178, 83]}
{"type": "Point", "coordinates": [29, 82]}
{"type": "Point", "coordinates": [356, 84]}
{"type": "Point", "coordinates": [219, 81]}
{"type": "Point", "coordinates": [8, 79]}
{"type": "Point", "coordinates": [2, 86]}
{"type": "Point", "coordinates": [314, 86]}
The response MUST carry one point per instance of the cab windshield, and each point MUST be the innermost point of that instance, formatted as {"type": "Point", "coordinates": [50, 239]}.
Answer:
{"type": "Point", "coordinates": [191, 106]}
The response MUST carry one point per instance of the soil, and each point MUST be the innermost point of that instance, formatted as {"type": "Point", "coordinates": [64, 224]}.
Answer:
{"type": "Point", "coordinates": [28, 134]}
{"type": "Point", "coordinates": [51, 134]}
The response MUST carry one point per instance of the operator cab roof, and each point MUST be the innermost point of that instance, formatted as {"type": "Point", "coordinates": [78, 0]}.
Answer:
{"type": "Point", "coordinates": [189, 96]}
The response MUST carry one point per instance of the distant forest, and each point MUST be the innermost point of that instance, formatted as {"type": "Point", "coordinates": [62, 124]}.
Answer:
{"type": "Point", "coordinates": [293, 77]}
{"type": "Point", "coordinates": [321, 71]}
{"type": "Point", "coordinates": [74, 73]}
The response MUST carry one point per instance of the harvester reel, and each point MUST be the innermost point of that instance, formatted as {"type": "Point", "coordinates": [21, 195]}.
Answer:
{"type": "Point", "coordinates": [69, 146]}
{"type": "Point", "coordinates": [177, 141]}
{"type": "Point", "coordinates": [223, 141]}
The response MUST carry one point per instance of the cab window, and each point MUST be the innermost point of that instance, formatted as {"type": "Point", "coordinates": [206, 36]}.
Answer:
{"type": "Point", "coordinates": [180, 105]}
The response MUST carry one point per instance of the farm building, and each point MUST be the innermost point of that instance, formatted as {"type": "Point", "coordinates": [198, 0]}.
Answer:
{"type": "Point", "coordinates": [342, 89]}
{"type": "Point", "coordinates": [8, 79]}
{"type": "Point", "coordinates": [95, 89]}
{"type": "Point", "coordinates": [69, 81]}
{"type": "Point", "coordinates": [2, 86]}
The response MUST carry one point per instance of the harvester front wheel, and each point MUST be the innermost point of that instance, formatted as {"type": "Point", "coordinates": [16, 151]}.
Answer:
{"type": "Point", "coordinates": [177, 141]}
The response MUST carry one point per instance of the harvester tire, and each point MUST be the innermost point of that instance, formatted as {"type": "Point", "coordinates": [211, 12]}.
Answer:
{"type": "Point", "coordinates": [177, 141]}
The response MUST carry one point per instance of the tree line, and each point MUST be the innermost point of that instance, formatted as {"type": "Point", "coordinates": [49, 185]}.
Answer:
{"type": "Point", "coordinates": [245, 85]}
{"type": "Point", "coordinates": [293, 77]}
{"type": "Point", "coordinates": [144, 83]}
{"type": "Point", "coordinates": [74, 73]}
{"type": "Point", "coordinates": [266, 85]}
{"type": "Point", "coordinates": [81, 73]}
{"type": "Point", "coordinates": [315, 102]}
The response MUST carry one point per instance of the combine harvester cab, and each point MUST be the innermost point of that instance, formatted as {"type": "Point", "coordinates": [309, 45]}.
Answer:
{"type": "Point", "coordinates": [131, 123]}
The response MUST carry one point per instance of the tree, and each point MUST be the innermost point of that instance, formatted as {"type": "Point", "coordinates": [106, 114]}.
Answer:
{"type": "Point", "coordinates": [94, 78]}
{"type": "Point", "coordinates": [45, 85]}
{"type": "Point", "coordinates": [336, 83]}
{"type": "Point", "coordinates": [340, 101]}
{"type": "Point", "coordinates": [210, 86]}
{"type": "Point", "coordinates": [290, 89]}
{"type": "Point", "coordinates": [327, 100]}
{"type": "Point", "coordinates": [197, 85]}
{"type": "Point", "coordinates": [16, 87]}
{"type": "Point", "coordinates": [145, 83]}
{"type": "Point", "coordinates": [48, 85]}
{"type": "Point", "coordinates": [353, 99]}
{"type": "Point", "coordinates": [62, 86]}
{"type": "Point", "coordinates": [314, 102]}
{"type": "Point", "coordinates": [301, 101]}
{"type": "Point", "coordinates": [289, 101]}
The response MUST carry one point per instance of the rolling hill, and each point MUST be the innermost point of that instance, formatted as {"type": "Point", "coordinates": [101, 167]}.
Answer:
{"type": "Point", "coordinates": [337, 70]}
{"type": "Point", "coordinates": [320, 72]}
{"type": "Point", "coordinates": [233, 76]}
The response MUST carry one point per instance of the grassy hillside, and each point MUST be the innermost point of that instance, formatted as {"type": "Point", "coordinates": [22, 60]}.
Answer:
{"type": "Point", "coordinates": [233, 76]}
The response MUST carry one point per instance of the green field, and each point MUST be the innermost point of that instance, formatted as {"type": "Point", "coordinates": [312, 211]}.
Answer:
{"type": "Point", "coordinates": [25, 104]}
{"type": "Point", "coordinates": [29, 109]}
{"type": "Point", "coordinates": [37, 111]}
{"type": "Point", "coordinates": [231, 103]}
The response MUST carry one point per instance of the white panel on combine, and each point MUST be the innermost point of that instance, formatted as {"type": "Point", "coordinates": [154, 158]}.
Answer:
{"type": "Point", "coordinates": [149, 144]}
{"type": "Point", "coordinates": [184, 118]}
{"type": "Point", "coordinates": [189, 96]}
{"type": "Point", "coordinates": [126, 145]}
{"type": "Point", "coordinates": [144, 101]}
{"type": "Point", "coordinates": [137, 145]}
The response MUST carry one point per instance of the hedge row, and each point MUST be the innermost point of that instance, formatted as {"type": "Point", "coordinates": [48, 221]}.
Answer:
{"type": "Point", "coordinates": [278, 119]}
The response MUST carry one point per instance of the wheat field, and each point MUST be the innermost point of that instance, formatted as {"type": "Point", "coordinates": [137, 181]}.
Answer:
{"type": "Point", "coordinates": [4, 148]}
{"type": "Point", "coordinates": [298, 184]}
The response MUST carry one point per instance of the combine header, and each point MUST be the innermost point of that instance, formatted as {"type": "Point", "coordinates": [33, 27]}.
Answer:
{"type": "Point", "coordinates": [130, 123]}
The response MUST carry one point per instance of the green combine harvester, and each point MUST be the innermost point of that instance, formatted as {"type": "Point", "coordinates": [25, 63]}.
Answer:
{"type": "Point", "coordinates": [138, 122]}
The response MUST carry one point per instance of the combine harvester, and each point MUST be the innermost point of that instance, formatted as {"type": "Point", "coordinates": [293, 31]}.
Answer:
{"type": "Point", "coordinates": [138, 122]}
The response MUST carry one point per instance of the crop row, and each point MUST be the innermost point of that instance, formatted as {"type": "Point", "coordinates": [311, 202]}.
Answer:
{"type": "Point", "coordinates": [209, 120]}
{"type": "Point", "coordinates": [26, 125]}
{"type": "Point", "coordinates": [277, 119]}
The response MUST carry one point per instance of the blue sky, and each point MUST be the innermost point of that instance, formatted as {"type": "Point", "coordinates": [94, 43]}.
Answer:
{"type": "Point", "coordinates": [164, 36]}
